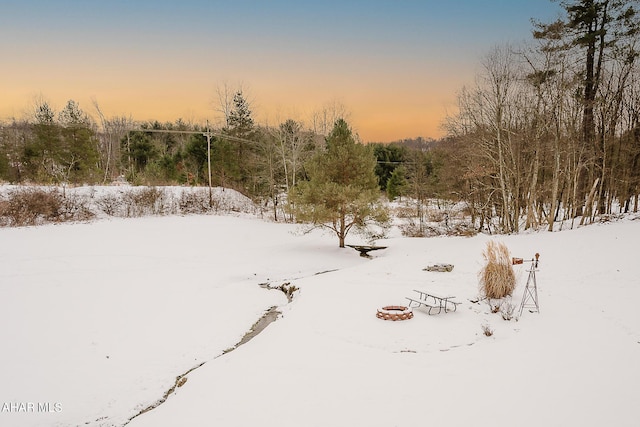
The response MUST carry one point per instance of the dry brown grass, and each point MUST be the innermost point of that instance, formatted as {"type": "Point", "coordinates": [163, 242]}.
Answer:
{"type": "Point", "coordinates": [497, 278]}
{"type": "Point", "coordinates": [404, 212]}
{"type": "Point", "coordinates": [34, 206]}
{"type": "Point", "coordinates": [486, 329]}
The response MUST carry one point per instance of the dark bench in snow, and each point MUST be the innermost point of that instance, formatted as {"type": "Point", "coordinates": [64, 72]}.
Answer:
{"type": "Point", "coordinates": [365, 249]}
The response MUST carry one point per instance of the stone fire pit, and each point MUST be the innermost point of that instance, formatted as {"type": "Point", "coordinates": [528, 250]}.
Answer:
{"type": "Point", "coordinates": [394, 312]}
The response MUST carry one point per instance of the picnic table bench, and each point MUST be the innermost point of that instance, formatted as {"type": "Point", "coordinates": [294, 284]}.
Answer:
{"type": "Point", "coordinates": [365, 249]}
{"type": "Point", "coordinates": [433, 302]}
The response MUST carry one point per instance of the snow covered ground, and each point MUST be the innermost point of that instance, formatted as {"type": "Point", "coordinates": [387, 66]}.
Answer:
{"type": "Point", "coordinates": [99, 319]}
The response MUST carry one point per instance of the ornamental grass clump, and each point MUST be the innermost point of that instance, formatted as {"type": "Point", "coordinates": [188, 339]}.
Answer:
{"type": "Point", "coordinates": [497, 278]}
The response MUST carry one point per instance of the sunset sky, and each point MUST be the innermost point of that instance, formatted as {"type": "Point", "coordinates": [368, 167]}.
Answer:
{"type": "Point", "coordinates": [395, 65]}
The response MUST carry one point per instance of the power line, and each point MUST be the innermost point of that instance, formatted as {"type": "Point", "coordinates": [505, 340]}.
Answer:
{"type": "Point", "coordinates": [194, 132]}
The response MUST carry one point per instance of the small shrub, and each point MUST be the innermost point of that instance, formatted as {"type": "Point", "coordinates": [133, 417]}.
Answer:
{"type": "Point", "coordinates": [507, 310]}
{"type": "Point", "coordinates": [194, 202]}
{"type": "Point", "coordinates": [462, 229]}
{"type": "Point", "coordinates": [4, 205]}
{"type": "Point", "coordinates": [76, 208]}
{"type": "Point", "coordinates": [145, 201]}
{"type": "Point", "coordinates": [437, 215]}
{"type": "Point", "coordinates": [411, 229]}
{"type": "Point", "coordinates": [497, 278]}
{"type": "Point", "coordinates": [405, 212]}
{"type": "Point", "coordinates": [486, 330]}
{"type": "Point", "coordinates": [33, 206]}
{"type": "Point", "coordinates": [110, 204]}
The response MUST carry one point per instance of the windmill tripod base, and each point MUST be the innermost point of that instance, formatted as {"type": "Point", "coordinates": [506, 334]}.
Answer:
{"type": "Point", "coordinates": [530, 297]}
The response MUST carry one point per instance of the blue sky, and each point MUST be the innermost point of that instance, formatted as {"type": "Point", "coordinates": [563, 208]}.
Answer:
{"type": "Point", "coordinates": [395, 65]}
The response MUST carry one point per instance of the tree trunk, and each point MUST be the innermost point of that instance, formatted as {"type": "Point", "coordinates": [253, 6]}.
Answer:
{"type": "Point", "coordinates": [555, 184]}
{"type": "Point", "coordinates": [531, 199]}
{"type": "Point", "coordinates": [342, 229]}
{"type": "Point", "coordinates": [589, 201]}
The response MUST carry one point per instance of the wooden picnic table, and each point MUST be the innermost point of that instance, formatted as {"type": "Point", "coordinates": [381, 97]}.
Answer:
{"type": "Point", "coordinates": [433, 302]}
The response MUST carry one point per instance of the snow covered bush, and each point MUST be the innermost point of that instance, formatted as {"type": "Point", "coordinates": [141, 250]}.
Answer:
{"type": "Point", "coordinates": [38, 205]}
{"type": "Point", "coordinates": [507, 311]}
{"type": "Point", "coordinates": [144, 201]}
{"type": "Point", "coordinates": [195, 202]}
{"type": "Point", "coordinates": [110, 204]}
{"type": "Point", "coordinates": [35, 206]}
{"type": "Point", "coordinates": [497, 278]}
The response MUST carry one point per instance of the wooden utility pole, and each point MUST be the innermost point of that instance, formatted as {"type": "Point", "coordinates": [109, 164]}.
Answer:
{"type": "Point", "coordinates": [208, 135]}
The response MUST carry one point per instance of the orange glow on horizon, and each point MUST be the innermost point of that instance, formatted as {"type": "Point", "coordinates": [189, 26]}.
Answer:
{"type": "Point", "coordinates": [373, 123]}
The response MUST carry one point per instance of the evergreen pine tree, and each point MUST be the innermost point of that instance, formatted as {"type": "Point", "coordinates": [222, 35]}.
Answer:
{"type": "Point", "coordinates": [342, 191]}
{"type": "Point", "coordinates": [397, 183]}
{"type": "Point", "coordinates": [42, 153]}
{"type": "Point", "coordinates": [240, 125]}
{"type": "Point", "coordinates": [79, 155]}
{"type": "Point", "coordinates": [240, 122]}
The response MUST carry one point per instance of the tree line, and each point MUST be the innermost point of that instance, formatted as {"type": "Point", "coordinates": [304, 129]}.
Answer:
{"type": "Point", "coordinates": [551, 131]}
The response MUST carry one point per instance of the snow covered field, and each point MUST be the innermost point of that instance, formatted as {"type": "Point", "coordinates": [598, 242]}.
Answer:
{"type": "Point", "coordinates": [99, 319]}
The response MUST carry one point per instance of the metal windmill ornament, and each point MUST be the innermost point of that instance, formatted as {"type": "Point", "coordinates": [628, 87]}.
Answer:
{"type": "Point", "coordinates": [530, 297]}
